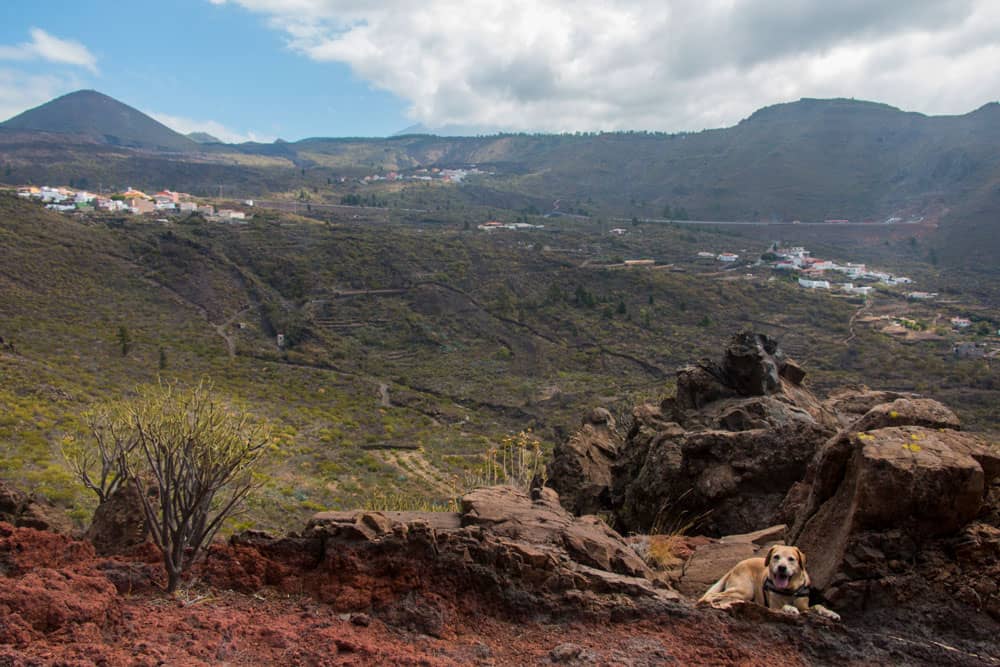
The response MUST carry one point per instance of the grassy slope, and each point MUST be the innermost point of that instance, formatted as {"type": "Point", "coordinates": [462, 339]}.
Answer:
{"type": "Point", "coordinates": [480, 335]}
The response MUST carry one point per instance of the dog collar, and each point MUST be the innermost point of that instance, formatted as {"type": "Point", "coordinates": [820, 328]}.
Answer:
{"type": "Point", "coordinates": [801, 592]}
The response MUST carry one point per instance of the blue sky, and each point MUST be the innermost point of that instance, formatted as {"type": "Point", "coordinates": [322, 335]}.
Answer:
{"type": "Point", "coordinates": [196, 61]}
{"type": "Point", "coordinates": [297, 68]}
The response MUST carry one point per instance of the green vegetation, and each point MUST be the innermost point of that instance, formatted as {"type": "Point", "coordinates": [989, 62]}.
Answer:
{"type": "Point", "coordinates": [402, 331]}
{"type": "Point", "coordinates": [196, 452]}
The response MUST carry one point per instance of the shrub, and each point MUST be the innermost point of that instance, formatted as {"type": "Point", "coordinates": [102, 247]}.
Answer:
{"type": "Point", "coordinates": [197, 451]}
{"type": "Point", "coordinates": [517, 461]}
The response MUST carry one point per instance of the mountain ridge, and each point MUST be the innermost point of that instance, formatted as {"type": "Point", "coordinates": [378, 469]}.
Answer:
{"type": "Point", "coordinates": [94, 114]}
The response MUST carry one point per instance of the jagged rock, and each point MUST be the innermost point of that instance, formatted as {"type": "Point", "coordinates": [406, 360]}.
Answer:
{"type": "Point", "coordinates": [908, 412]}
{"type": "Point", "coordinates": [919, 482]}
{"type": "Point", "coordinates": [580, 468]}
{"type": "Point", "coordinates": [23, 510]}
{"type": "Point", "coordinates": [725, 449]}
{"type": "Point", "coordinates": [119, 523]}
{"type": "Point", "coordinates": [367, 525]}
{"type": "Point", "coordinates": [511, 513]}
{"type": "Point", "coordinates": [732, 482]}
{"type": "Point", "coordinates": [849, 403]}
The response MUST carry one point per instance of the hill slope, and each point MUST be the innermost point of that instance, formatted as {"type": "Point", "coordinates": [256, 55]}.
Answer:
{"type": "Point", "coordinates": [805, 160]}
{"type": "Point", "coordinates": [95, 115]}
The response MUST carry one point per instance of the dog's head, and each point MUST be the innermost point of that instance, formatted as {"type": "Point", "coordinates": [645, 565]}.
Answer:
{"type": "Point", "coordinates": [784, 564]}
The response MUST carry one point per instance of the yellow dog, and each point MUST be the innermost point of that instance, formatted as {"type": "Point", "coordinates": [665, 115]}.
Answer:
{"type": "Point", "coordinates": [777, 581]}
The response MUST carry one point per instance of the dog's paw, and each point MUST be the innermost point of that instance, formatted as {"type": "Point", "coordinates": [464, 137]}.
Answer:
{"type": "Point", "coordinates": [725, 604]}
{"type": "Point", "coordinates": [826, 613]}
{"type": "Point", "coordinates": [790, 610]}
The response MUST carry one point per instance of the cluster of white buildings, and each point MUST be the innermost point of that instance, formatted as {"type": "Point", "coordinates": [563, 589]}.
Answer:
{"type": "Point", "coordinates": [494, 225]}
{"type": "Point", "coordinates": [424, 174]}
{"type": "Point", "coordinates": [130, 201]}
{"type": "Point", "coordinates": [813, 269]}
{"type": "Point", "coordinates": [727, 257]}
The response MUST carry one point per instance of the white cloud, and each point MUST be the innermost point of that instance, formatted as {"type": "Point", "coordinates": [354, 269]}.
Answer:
{"type": "Point", "coordinates": [648, 64]}
{"type": "Point", "coordinates": [216, 129]}
{"type": "Point", "coordinates": [50, 48]}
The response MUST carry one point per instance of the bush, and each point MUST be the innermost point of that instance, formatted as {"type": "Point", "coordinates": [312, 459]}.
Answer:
{"type": "Point", "coordinates": [517, 462]}
{"type": "Point", "coordinates": [198, 452]}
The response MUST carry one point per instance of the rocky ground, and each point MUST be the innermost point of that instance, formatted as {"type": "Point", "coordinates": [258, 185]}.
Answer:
{"type": "Point", "coordinates": [896, 507]}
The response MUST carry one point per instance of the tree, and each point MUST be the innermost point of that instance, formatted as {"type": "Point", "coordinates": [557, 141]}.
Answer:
{"type": "Point", "coordinates": [100, 460]}
{"type": "Point", "coordinates": [197, 451]}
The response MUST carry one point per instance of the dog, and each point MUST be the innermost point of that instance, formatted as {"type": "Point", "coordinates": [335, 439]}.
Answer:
{"type": "Point", "coordinates": [777, 581]}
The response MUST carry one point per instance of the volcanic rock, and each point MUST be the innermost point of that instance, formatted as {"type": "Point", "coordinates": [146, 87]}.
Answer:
{"type": "Point", "coordinates": [723, 451]}
{"type": "Point", "coordinates": [908, 412]}
{"type": "Point", "coordinates": [21, 509]}
{"type": "Point", "coordinates": [119, 523]}
{"type": "Point", "coordinates": [909, 481]}
{"type": "Point", "coordinates": [511, 513]}
{"type": "Point", "coordinates": [580, 468]}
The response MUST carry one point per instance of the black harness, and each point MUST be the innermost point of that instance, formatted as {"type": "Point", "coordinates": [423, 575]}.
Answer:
{"type": "Point", "coordinates": [801, 592]}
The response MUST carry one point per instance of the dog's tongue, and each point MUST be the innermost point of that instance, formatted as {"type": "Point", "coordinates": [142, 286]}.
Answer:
{"type": "Point", "coordinates": [781, 580]}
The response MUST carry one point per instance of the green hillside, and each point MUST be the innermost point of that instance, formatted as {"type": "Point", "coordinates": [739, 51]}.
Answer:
{"type": "Point", "coordinates": [403, 333]}
{"type": "Point", "coordinates": [805, 160]}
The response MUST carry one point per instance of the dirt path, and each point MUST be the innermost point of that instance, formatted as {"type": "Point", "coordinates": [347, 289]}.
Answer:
{"type": "Point", "coordinates": [854, 317]}
{"type": "Point", "coordinates": [224, 331]}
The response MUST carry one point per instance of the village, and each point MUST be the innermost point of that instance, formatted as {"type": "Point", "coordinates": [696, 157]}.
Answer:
{"type": "Point", "coordinates": [131, 201]}
{"type": "Point", "coordinates": [424, 174]}
{"type": "Point", "coordinates": [972, 337]}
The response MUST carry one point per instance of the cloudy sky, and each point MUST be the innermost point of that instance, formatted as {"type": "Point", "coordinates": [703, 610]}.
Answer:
{"type": "Point", "coordinates": [260, 69]}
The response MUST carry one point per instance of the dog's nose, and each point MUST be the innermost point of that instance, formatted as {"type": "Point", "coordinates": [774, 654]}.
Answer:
{"type": "Point", "coordinates": [782, 569]}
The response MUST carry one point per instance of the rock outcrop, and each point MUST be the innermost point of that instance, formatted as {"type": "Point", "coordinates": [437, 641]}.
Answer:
{"type": "Point", "coordinates": [20, 509]}
{"type": "Point", "coordinates": [900, 477]}
{"type": "Point", "coordinates": [580, 469]}
{"type": "Point", "coordinates": [119, 523]}
{"type": "Point", "coordinates": [723, 451]}
{"type": "Point", "coordinates": [504, 542]}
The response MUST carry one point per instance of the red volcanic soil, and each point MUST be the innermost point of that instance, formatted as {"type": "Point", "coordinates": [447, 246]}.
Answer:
{"type": "Point", "coordinates": [267, 601]}
{"type": "Point", "coordinates": [62, 605]}
{"type": "Point", "coordinates": [236, 629]}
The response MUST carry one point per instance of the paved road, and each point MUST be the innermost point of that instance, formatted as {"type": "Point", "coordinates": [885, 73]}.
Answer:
{"type": "Point", "coordinates": [763, 224]}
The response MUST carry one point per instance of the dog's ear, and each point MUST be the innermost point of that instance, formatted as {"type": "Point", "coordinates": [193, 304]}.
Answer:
{"type": "Point", "coordinates": [801, 556]}
{"type": "Point", "coordinates": [767, 558]}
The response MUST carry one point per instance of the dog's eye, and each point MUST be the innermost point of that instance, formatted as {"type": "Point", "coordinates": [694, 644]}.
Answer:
{"type": "Point", "coordinates": [776, 557]}
{"type": "Point", "coordinates": [791, 559]}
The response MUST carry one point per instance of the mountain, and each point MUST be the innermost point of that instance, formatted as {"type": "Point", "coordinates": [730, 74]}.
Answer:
{"type": "Point", "coordinates": [450, 130]}
{"type": "Point", "coordinates": [97, 116]}
{"type": "Point", "coordinates": [809, 160]}
{"type": "Point", "coordinates": [203, 138]}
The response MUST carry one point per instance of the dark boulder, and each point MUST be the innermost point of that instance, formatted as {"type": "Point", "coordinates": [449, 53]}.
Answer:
{"type": "Point", "coordinates": [580, 468]}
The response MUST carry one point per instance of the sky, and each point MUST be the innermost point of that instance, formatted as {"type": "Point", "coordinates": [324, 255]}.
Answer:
{"type": "Point", "coordinates": [263, 69]}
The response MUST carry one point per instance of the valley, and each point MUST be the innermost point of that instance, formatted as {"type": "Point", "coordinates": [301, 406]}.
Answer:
{"type": "Point", "coordinates": [410, 347]}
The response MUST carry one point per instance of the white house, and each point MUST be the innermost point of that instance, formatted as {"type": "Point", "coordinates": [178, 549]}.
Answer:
{"type": "Point", "coordinates": [618, 231]}
{"type": "Point", "coordinates": [961, 322]}
{"type": "Point", "coordinates": [863, 290]}
{"type": "Point", "coordinates": [814, 284]}
{"type": "Point", "coordinates": [706, 255]}
{"type": "Point", "coordinates": [727, 257]}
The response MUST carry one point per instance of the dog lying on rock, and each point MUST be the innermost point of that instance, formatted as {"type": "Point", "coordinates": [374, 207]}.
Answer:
{"type": "Point", "coordinates": [777, 581]}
